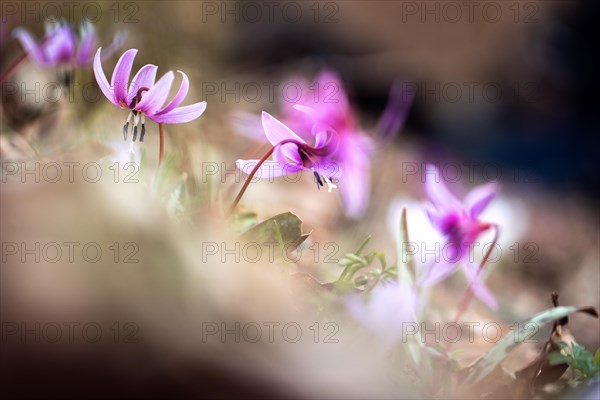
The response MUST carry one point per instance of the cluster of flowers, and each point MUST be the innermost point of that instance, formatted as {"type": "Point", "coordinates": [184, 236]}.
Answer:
{"type": "Point", "coordinates": [311, 134]}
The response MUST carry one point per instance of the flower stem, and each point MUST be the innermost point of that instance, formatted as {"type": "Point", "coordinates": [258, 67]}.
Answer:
{"type": "Point", "coordinates": [161, 146]}
{"type": "Point", "coordinates": [463, 305]}
{"type": "Point", "coordinates": [253, 172]}
{"type": "Point", "coordinates": [469, 293]}
{"type": "Point", "coordinates": [6, 74]}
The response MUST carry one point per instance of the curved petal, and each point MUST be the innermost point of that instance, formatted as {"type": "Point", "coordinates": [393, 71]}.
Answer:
{"type": "Point", "coordinates": [29, 45]}
{"type": "Point", "coordinates": [332, 89]}
{"type": "Point", "coordinates": [287, 154]}
{"type": "Point", "coordinates": [120, 77]}
{"type": "Point", "coordinates": [438, 193]}
{"type": "Point", "coordinates": [308, 111]}
{"type": "Point", "coordinates": [326, 137]}
{"type": "Point", "coordinates": [479, 198]}
{"type": "Point", "coordinates": [181, 93]}
{"type": "Point", "coordinates": [276, 131]}
{"type": "Point", "coordinates": [144, 78]}
{"type": "Point", "coordinates": [355, 185]}
{"type": "Point", "coordinates": [479, 289]}
{"type": "Point", "coordinates": [181, 114]}
{"type": "Point", "coordinates": [117, 42]}
{"type": "Point", "coordinates": [101, 79]}
{"type": "Point", "coordinates": [87, 43]}
{"type": "Point", "coordinates": [154, 98]}
{"type": "Point", "coordinates": [248, 125]}
{"type": "Point", "coordinates": [437, 272]}
{"type": "Point", "coordinates": [269, 169]}
{"type": "Point", "coordinates": [59, 45]}
{"type": "Point", "coordinates": [394, 115]}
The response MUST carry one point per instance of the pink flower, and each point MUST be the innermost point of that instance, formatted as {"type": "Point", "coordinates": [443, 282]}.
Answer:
{"type": "Point", "coordinates": [292, 153]}
{"type": "Point", "coordinates": [326, 103]}
{"type": "Point", "coordinates": [143, 96]}
{"type": "Point", "coordinates": [61, 46]}
{"type": "Point", "coordinates": [459, 223]}
{"type": "Point", "coordinates": [391, 306]}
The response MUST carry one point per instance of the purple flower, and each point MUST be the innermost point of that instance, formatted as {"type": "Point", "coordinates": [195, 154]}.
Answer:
{"type": "Point", "coordinates": [143, 96]}
{"type": "Point", "coordinates": [458, 222]}
{"type": "Point", "coordinates": [292, 153]}
{"type": "Point", "coordinates": [390, 307]}
{"type": "Point", "coordinates": [326, 103]}
{"type": "Point", "coordinates": [61, 47]}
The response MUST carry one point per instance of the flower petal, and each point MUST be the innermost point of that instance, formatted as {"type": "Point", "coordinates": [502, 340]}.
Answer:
{"type": "Point", "coordinates": [101, 79]}
{"type": "Point", "coordinates": [154, 98]}
{"type": "Point", "coordinates": [117, 42]}
{"type": "Point", "coordinates": [438, 193]}
{"type": "Point", "coordinates": [276, 131]}
{"type": "Point", "coordinates": [287, 154]}
{"type": "Point", "coordinates": [331, 91]}
{"type": "Point", "coordinates": [120, 77]}
{"type": "Point", "coordinates": [59, 44]}
{"type": "Point", "coordinates": [144, 78]}
{"type": "Point", "coordinates": [31, 48]}
{"type": "Point", "coordinates": [355, 185]}
{"type": "Point", "coordinates": [181, 114]}
{"type": "Point", "coordinates": [479, 198]}
{"type": "Point", "coordinates": [308, 111]}
{"type": "Point", "coordinates": [437, 272]}
{"type": "Point", "coordinates": [181, 93]}
{"type": "Point", "coordinates": [87, 43]}
{"type": "Point", "coordinates": [479, 289]}
{"type": "Point", "coordinates": [394, 115]}
{"type": "Point", "coordinates": [247, 124]}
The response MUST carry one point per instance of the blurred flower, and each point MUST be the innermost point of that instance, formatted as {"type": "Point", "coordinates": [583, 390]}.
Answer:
{"type": "Point", "coordinates": [460, 225]}
{"type": "Point", "coordinates": [60, 46]}
{"type": "Point", "coordinates": [292, 153]}
{"type": "Point", "coordinates": [325, 102]}
{"type": "Point", "coordinates": [394, 116]}
{"type": "Point", "coordinates": [143, 97]}
{"type": "Point", "coordinates": [391, 306]}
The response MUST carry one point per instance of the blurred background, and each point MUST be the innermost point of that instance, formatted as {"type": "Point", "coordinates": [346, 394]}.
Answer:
{"type": "Point", "coordinates": [502, 89]}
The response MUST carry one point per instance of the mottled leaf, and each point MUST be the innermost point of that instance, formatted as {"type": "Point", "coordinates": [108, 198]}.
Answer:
{"type": "Point", "coordinates": [283, 231]}
{"type": "Point", "coordinates": [491, 359]}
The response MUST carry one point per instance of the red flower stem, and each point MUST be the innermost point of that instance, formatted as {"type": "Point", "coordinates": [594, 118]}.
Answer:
{"type": "Point", "coordinates": [469, 293]}
{"type": "Point", "coordinates": [253, 172]}
{"type": "Point", "coordinates": [6, 74]}
{"type": "Point", "coordinates": [465, 302]}
{"type": "Point", "coordinates": [161, 148]}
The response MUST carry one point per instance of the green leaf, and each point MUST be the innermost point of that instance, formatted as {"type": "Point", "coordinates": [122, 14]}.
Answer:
{"type": "Point", "coordinates": [597, 356]}
{"type": "Point", "coordinates": [491, 359]}
{"type": "Point", "coordinates": [406, 269]}
{"type": "Point", "coordinates": [556, 358]}
{"type": "Point", "coordinates": [284, 228]}
{"type": "Point", "coordinates": [243, 221]}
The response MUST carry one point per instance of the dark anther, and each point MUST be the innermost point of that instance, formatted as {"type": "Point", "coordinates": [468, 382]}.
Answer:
{"type": "Point", "coordinates": [134, 133]}
{"type": "Point", "coordinates": [66, 77]}
{"type": "Point", "coordinates": [318, 179]}
{"type": "Point", "coordinates": [125, 129]}
{"type": "Point", "coordinates": [142, 133]}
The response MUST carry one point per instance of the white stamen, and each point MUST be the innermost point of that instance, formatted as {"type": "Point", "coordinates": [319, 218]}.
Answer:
{"type": "Point", "coordinates": [136, 119]}
{"type": "Point", "coordinates": [330, 185]}
{"type": "Point", "coordinates": [143, 119]}
{"type": "Point", "coordinates": [131, 150]}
